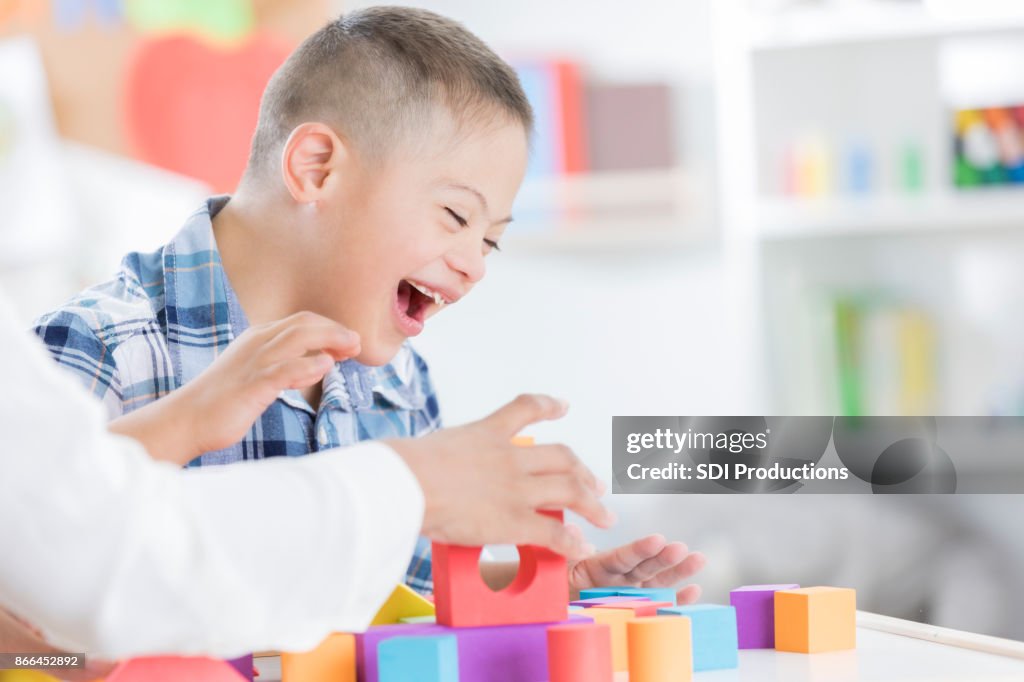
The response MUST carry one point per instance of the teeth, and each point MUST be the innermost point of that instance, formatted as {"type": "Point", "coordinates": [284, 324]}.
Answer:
{"type": "Point", "coordinates": [438, 298]}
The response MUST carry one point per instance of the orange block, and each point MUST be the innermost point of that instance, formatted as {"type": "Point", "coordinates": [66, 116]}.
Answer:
{"type": "Point", "coordinates": [660, 649]}
{"type": "Point", "coordinates": [616, 620]}
{"type": "Point", "coordinates": [815, 619]}
{"type": "Point", "coordinates": [580, 653]}
{"type": "Point", "coordinates": [640, 608]}
{"type": "Point", "coordinates": [334, 660]}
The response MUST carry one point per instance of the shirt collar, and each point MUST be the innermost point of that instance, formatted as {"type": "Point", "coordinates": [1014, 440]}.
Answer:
{"type": "Point", "coordinates": [204, 315]}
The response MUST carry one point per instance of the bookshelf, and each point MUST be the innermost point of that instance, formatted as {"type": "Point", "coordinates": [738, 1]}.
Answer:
{"type": "Point", "coordinates": [868, 22]}
{"type": "Point", "coordinates": [868, 70]}
{"type": "Point", "coordinates": [991, 210]}
{"type": "Point", "coordinates": [636, 209]}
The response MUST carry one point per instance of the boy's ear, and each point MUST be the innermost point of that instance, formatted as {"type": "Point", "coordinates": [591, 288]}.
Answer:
{"type": "Point", "coordinates": [313, 151]}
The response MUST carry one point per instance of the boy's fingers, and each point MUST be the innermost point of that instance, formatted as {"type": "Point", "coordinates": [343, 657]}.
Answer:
{"type": "Point", "coordinates": [330, 338]}
{"type": "Point", "coordinates": [688, 595]}
{"type": "Point", "coordinates": [671, 555]}
{"type": "Point", "coordinates": [298, 372]}
{"type": "Point", "coordinates": [625, 559]}
{"type": "Point", "coordinates": [525, 410]}
{"type": "Point", "coordinates": [564, 491]}
{"type": "Point", "coordinates": [687, 568]}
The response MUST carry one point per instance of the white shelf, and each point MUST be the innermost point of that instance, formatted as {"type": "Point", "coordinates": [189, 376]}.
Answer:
{"type": "Point", "coordinates": [865, 23]}
{"type": "Point", "coordinates": [644, 208]}
{"type": "Point", "coordinates": [972, 211]}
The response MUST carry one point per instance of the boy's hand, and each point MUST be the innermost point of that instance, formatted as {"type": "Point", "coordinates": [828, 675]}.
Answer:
{"type": "Point", "coordinates": [219, 406]}
{"type": "Point", "coordinates": [647, 562]}
{"type": "Point", "coordinates": [480, 489]}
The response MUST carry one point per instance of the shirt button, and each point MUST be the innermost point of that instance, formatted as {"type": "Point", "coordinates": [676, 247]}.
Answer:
{"type": "Point", "coordinates": [322, 436]}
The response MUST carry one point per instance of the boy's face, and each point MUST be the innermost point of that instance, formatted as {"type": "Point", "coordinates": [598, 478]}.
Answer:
{"type": "Point", "coordinates": [409, 236]}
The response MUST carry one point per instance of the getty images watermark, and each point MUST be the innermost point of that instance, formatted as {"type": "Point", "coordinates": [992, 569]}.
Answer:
{"type": "Point", "coordinates": [818, 454]}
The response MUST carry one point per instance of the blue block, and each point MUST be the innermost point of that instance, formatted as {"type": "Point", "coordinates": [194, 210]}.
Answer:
{"type": "Point", "coordinates": [715, 642]}
{"type": "Point", "coordinates": [433, 658]}
{"type": "Point", "coordinates": [653, 593]}
{"type": "Point", "coordinates": [596, 592]}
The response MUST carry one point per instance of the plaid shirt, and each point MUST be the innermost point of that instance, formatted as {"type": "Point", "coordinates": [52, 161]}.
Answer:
{"type": "Point", "coordinates": [166, 317]}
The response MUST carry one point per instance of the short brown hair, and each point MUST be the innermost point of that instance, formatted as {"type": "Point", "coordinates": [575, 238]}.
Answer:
{"type": "Point", "coordinates": [376, 74]}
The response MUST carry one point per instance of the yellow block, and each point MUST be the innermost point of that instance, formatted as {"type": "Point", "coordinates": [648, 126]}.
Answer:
{"type": "Point", "coordinates": [333, 661]}
{"type": "Point", "coordinates": [25, 676]}
{"type": "Point", "coordinates": [616, 619]}
{"type": "Point", "coordinates": [660, 649]}
{"type": "Point", "coordinates": [815, 619]}
{"type": "Point", "coordinates": [404, 602]}
{"type": "Point", "coordinates": [522, 441]}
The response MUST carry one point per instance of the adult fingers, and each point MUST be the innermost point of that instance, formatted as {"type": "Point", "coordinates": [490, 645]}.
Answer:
{"type": "Point", "coordinates": [544, 531]}
{"type": "Point", "coordinates": [557, 458]}
{"type": "Point", "coordinates": [526, 409]}
{"type": "Point", "coordinates": [566, 491]}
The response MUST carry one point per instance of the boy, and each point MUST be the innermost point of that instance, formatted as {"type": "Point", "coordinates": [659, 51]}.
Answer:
{"type": "Point", "coordinates": [388, 152]}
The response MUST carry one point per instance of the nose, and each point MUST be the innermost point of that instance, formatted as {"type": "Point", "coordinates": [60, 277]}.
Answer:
{"type": "Point", "coordinates": [468, 261]}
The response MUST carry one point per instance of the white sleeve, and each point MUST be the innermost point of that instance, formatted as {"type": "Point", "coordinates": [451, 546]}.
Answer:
{"type": "Point", "coordinates": [112, 553]}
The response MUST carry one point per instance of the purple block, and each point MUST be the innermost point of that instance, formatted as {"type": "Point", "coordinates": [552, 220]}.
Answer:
{"type": "Point", "coordinates": [755, 614]}
{"type": "Point", "coordinates": [497, 653]}
{"type": "Point", "coordinates": [244, 666]}
{"type": "Point", "coordinates": [601, 601]}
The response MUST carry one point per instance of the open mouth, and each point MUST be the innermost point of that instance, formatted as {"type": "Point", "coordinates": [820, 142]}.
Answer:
{"type": "Point", "coordinates": [413, 301]}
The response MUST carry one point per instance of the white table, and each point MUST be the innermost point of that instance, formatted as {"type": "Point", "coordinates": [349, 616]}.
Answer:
{"type": "Point", "coordinates": [882, 655]}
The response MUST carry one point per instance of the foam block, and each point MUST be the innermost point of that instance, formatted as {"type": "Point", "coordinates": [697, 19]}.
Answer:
{"type": "Point", "coordinates": [580, 653]}
{"type": "Point", "coordinates": [660, 649]}
{"type": "Point", "coordinates": [418, 659]}
{"type": "Point", "coordinates": [174, 669]}
{"type": "Point", "coordinates": [502, 653]}
{"type": "Point", "coordinates": [713, 630]}
{"type": "Point", "coordinates": [538, 594]}
{"type": "Point", "coordinates": [755, 614]}
{"type": "Point", "coordinates": [404, 602]}
{"type": "Point", "coordinates": [640, 608]}
{"type": "Point", "coordinates": [815, 619]}
{"type": "Point", "coordinates": [601, 601]}
{"type": "Point", "coordinates": [616, 620]}
{"type": "Point", "coordinates": [418, 619]}
{"type": "Point", "coordinates": [334, 660]}
{"type": "Point", "coordinates": [653, 593]}
{"type": "Point", "coordinates": [244, 666]}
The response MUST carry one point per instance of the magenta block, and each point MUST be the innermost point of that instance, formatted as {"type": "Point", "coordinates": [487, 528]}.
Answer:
{"type": "Point", "coordinates": [244, 665]}
{"type": "Point", "coordinates": [498, 653]}
{"type": "Point", "coordinates": [601, 601]}
{"type": "Point", "coordinates": [755, 614]}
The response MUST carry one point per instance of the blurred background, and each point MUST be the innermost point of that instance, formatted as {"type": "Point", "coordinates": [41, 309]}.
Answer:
{"type": "Point", "coordinates": [734, 207]}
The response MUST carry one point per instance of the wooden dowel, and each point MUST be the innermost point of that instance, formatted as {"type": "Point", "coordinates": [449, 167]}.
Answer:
{"type": "Point", "coordinates": [947, 636]}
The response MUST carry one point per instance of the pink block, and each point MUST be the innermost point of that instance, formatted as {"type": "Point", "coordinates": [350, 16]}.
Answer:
{"type": "Point", "coordinates": [496, 653]}
{"type": "Point", "coordinates": [755, 614]}
{"type": "Point", "coordinates": [174, 669]}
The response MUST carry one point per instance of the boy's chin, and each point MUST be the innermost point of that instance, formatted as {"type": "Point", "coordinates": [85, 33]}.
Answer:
{"type": "Point", "coordinates": [378, 354]}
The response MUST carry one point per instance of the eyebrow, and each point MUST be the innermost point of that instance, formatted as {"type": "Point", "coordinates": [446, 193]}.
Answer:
{"type": "Point", "coordinates": [480, 197]}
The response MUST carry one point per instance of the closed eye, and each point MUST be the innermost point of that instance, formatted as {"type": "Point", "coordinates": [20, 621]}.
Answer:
{"type": "Point", "coordinates": [459, 219]}
{"type": "Point", "coordinates": [492, 244]}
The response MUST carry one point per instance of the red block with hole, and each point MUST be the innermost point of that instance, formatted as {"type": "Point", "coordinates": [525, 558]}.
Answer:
{"type": "Point", "coordinates": [538, 594]}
